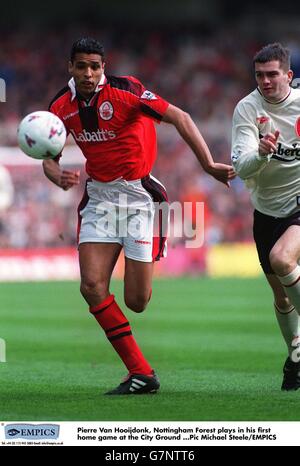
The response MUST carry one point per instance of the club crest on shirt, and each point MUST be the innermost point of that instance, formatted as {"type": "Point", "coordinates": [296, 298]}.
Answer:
{"type": "Point", "coordinates": [262, 119]}
{"type": "Point", "coordinates": [297, 127]}
{"type": "Point", "coordinates": [106, 110]}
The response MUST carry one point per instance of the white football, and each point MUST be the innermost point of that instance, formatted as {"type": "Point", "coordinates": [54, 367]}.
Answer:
{"type": "Point", "coordinates": [41, 135]}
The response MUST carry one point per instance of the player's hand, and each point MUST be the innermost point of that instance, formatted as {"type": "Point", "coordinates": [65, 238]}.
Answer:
{"type": "Point", "coordinates": [69, 179]}
{"type": "Point", "coordinates": [222, 172]}
{"type": "Point", "coordinates": [268, 144]}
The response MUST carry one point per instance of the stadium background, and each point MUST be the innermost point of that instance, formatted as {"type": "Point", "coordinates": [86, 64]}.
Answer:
{"type": "Point", "coordinates": [198, 56]}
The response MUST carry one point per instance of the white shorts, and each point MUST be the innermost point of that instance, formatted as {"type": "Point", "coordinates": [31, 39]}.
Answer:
{"type": "Point", "coordinates": [133, 214]}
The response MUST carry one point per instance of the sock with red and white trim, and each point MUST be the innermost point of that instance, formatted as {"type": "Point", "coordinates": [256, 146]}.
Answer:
{"type": "Point", "coordinates": [118, 332]}
{"type": "Point", "coordinates": [291, 284]}
{"type": "Point", "coordinates": [288, 320]}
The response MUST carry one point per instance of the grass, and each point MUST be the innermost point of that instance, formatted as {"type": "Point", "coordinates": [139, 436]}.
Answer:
{"type": "Point", "coordinates": [214, 343]}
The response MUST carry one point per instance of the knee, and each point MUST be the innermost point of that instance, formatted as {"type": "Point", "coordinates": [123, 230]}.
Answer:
{"type": "Point", "coordinates": [93, 288]}
{"type": "Point", "coordinates": [280, 261]}
{"type": "Point", "coordinates": [137, 303]}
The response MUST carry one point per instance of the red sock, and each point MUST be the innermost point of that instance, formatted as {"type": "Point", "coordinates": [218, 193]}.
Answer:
{"type": "Point", "coordinates": [118, 331]}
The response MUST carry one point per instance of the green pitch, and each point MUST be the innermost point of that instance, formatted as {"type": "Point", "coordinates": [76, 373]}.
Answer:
{"type": "Point", "coordinates": [214, 343]}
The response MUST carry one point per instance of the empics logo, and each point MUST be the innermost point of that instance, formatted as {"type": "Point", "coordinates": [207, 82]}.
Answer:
{"type": "Point", "coordinates": [32, 431]}
{"type": "Point", "coordinates": [12, 432]}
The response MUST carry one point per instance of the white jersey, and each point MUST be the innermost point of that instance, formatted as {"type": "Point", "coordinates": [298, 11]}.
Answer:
{"type": "Point", "coordinates": [274, 180]}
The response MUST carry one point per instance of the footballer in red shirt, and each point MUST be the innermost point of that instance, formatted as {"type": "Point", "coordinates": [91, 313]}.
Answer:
{"type": "Point", "coordinates": [112, 121]}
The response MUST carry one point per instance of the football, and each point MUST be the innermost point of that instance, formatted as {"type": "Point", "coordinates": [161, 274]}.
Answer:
{"type": "Point", "coordinates": [41, 135]}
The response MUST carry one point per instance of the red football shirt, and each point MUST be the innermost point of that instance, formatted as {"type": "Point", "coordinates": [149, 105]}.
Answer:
{"type": "Point", "coordinates": [115, 129]}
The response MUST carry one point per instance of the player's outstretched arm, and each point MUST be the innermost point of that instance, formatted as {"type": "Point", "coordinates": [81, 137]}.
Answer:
{"type": "Point", "coordinates": [192, 136]}
{"type": "Point", "coordinates": [65, 179]}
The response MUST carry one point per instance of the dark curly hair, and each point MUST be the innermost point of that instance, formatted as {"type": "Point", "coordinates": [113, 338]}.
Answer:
{"type": "Point", "coordinates": [274, 52]}
{"type": "Point", "coordinates": [86, 45]}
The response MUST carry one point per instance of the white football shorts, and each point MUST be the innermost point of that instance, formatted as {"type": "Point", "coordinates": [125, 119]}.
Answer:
{"type": "Point", "coordinates": [133, 214]}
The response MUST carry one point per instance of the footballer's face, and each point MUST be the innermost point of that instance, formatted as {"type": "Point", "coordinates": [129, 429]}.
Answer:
{"type": "Point", "coordinates": [87, 70]}
{"type": "Point", "coordinates": [272, 80]}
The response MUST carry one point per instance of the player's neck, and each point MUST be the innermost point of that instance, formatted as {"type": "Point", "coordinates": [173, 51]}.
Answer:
{"type": "Point", "coordinates": [277, 100]}
{"type": "Point", "coordinates": [85, 97]}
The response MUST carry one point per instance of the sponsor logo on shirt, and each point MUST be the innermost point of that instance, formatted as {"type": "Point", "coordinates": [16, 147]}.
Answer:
{"type": "Point", "coordinates": [287, 154]}
{"type": "Point", "coordinates": [148, 95]}
{"type": "Point", "coordinates": [101, 135]}
{"type": "Point", "coordinates": [106, 110]}
{"type": "Point", "coordinates": [70, 115]}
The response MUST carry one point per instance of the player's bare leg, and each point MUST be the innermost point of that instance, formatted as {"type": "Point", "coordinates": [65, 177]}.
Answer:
{"type": "Point", "coordinates": [97, 261]}
{"type": "Point", "coordinates": [137, 284]}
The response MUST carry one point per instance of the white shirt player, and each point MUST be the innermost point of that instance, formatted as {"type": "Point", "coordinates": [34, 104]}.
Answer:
{"type": "Point", "coordinates": [274, 180]}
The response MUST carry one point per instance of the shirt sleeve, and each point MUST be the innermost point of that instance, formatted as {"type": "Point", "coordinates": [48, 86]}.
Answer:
{"type": "Point", "coordinates": [52, 108]}
{"type": "Point", "coordinates": [245, 139]}
{"type": "Point", "coordinates": [153, 105]}
{"type": "Point", "coordinates": [149, 103]}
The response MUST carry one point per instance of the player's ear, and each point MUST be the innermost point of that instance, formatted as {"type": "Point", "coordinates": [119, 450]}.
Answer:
{"type": "Point", "coordinates": [70, 67]}
{"type": "Point", "coordinates": [290, 75]}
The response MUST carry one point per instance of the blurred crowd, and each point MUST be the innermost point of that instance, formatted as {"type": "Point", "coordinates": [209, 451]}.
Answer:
{"type": "Point", "coordinates": [203, 72]}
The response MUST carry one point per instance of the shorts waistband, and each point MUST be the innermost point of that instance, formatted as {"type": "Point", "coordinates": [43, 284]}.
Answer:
{"type": "Point", "coordinates": [118, 182]}
{"type": "Point", "coordinates": [292, 215]}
